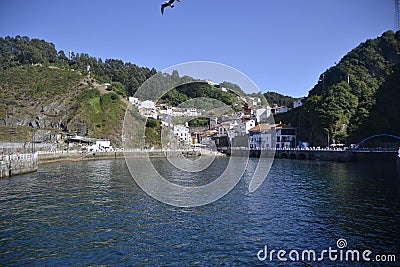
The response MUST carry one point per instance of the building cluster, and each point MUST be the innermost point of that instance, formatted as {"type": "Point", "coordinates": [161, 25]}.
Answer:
{"type": "Point", "coordinates": [150, 109]}
{"type": "Point", "coordinates": [276, 109]}
{"type": "Point", "coordinates": [250, 129]}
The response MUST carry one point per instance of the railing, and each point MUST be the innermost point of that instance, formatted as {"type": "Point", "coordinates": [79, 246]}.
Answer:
{"type": "Point", "coordinates": [294, 149]}
{"type": "Point", "coordinates": [312, 149]}
{"type": "Point", "coordinates": [17, 156]}
{"type": "Point", "coordinates": [376, 149]}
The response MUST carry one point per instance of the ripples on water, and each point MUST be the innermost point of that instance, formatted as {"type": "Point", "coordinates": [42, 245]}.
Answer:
{"type": "Point", "coordinates": [92, 213]}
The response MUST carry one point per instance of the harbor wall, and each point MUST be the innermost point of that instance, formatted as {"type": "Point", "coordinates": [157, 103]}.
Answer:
{"type": "Point", "coordinates": [11, 165]}
{"type": "Point", "coordinates": [323, 155]}
{"type": "Point", "coordinates": [49, 157]}
{"type": "Point", "coordinates": [336, 155]}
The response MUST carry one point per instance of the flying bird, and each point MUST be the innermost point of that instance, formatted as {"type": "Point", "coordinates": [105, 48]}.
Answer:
{"type": "Point", "coordinates": [169, 3]}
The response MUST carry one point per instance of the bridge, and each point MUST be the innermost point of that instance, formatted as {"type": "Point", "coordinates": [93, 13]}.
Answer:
{"type": "Point", "coordinates": [340, 155]}
{"type": "Point", "coordinates": [358, 152]}
{"type": "Point", "coordinates": [375, 136]}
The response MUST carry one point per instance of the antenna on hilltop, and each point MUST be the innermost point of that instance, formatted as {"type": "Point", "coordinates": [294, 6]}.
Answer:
{"type": "Point", "coordinates": [396, 15]}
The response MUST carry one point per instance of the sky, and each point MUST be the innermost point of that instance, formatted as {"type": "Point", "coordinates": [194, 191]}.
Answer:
{"type": "Point", "coordinates": [281, 46]}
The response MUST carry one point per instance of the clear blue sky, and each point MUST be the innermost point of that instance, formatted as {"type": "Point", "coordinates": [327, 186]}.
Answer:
{"type": "Point", "coordinates": [282, 46]}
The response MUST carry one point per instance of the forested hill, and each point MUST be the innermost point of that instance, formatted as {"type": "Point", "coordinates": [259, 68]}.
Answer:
{"type": "Point", "coordinates": [17, 51]}
{"type": "Point", "coordinates": [356, 98]}
{"type": "Point", "coordinates": [43, 92]}
{"type": "Point", "coordinates": [279, 99]}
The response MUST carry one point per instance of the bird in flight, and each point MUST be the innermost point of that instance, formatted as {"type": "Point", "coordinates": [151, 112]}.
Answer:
{"type": "Point", "coordinates": [169, 3]}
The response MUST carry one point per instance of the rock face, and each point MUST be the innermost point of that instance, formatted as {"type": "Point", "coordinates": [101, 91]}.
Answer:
{"type": "Point", "coordinates": [57, 114]}
{"type": "Point", "coordinates": [47, 113]}
{"type": "Point", "coordinates": [45, 101]}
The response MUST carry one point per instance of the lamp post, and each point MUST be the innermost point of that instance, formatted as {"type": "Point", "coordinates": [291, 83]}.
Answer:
{"type": "Point", "coordinates": [33, 141]}
{"type": "Point", "coordinates": [328, 138]}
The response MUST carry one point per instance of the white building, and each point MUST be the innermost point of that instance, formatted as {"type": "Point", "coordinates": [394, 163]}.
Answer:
{"type": "Point", "coordinates": [226, 128]}
{"type": "Point", "coordinates": [244, 127]}
{"type": "Point", "coordinates": [185, 112]}
{"type": "Point", "coordinates": [253, 101]}
{"type": "Point", "coordinates": [272, 136]}
{"type": "Point", "coordinates": [248, 125]}
{"type": "Point", "coordinates": [261, 137]}
{"type": "Point", "coordinates": [148, 109]}
{"type": "Point", "coordinates": [192, 112]}
{"type": "Point", "coordinates": [147, 104]}
{"type": "Point", "coordinates": [280, 109]}
{"type": "Point", "coordinates": [134, 101]}
{"type": "Point", "coordinates": [165, 109]}
{"type": "Point", "coordinates": [148, 112]}
{"type": "Point", "coordinates": [101, 145]}
{"type": "Point", "coordinates": [182, 132]}
{"type": "Point", "coordinates": [261, 114]}
{"type": "Point", "coordinates": [178, 112]}
{"type": "Point", "coordinates": [298, 102]}
{"type": "Point", "coordinates": [212, 83]}
{"type": "Point", "coordinates": [232, 118]}
{"type": "Point", "coordinates": [213, 122]}
{"type": "Point", "coordinates": [166, 120]}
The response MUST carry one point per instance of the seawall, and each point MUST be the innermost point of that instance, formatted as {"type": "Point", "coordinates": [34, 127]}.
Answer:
{"type": "Point", "coordinates": [323, 155]}
{"type": "Point", "coordinates": [48, 157]}
{"type": "Point", "coordinates": [11, 165]}
{"type": "Point", "coordinates": [75, 156]}
{"type": "Point", "coordinates": [332, 155]}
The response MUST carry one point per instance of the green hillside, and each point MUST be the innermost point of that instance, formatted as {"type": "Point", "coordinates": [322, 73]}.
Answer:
{"type": "Point", "coordinates": [44, 92]}
{"type": "Point", "coordinates": [356, 98]}
{"type": "Point", "coordinates": [279, 99]}
{"type": "Point", "coordinates": [42, 88]}
{"type": "Point", "coordinates": [46, 97]}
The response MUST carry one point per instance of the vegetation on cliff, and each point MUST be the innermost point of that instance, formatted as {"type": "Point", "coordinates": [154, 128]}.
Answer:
{"type": "Point", "coordinates": [354, 99]}
{"type": "Point", "coordinates": [279, 99]}
{"type": "Point", "coordinates": [42, 88]}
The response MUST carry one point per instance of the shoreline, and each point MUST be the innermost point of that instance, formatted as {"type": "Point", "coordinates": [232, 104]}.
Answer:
{"type": "Point", "coordinates": [335, 156]}
{"type": "Point", "coordinates": [30, 162]}
{"type": "Point", "coordinates": [76, 156]}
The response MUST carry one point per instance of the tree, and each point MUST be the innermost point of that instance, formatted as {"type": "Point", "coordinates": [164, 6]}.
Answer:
{"type": "Point", "coordinates": [61, 56]}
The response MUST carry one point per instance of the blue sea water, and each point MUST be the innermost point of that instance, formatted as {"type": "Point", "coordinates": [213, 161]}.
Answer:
{"type": "Point", "coordinates": [93, 213]}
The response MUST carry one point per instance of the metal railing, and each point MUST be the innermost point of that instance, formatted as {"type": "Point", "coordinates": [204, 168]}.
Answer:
{"type": "Point", "coordinates": [17, 156]}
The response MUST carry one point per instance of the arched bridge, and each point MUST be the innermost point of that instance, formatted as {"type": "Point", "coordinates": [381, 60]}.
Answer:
{"type": "Point", "coordinates": [374, 136]}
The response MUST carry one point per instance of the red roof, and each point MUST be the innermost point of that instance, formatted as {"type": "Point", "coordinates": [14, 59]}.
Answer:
{"type": "Point", "coordinates": [265, 126]}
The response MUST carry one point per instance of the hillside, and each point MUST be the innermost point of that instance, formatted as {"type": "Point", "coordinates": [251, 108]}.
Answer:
{"type": "Point", "coordinates": [49, 98]}
{"type": "Point", "coordinates": [43, 92]}
{"type": "Point", "coordinates": [279, 99]}
{"type": "Point", "coordinates": [354, 99]}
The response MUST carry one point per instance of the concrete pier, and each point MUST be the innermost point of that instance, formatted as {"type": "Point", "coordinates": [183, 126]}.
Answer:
{"type": "Point", "coordinates": [15, 164]}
